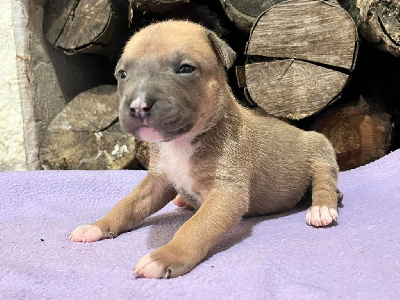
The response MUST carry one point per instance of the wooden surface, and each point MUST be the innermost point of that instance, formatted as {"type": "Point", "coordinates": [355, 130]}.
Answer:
{"type": "Point", "coordinates": [378, 21]}
{"type": "Point", "coordinates": [245, 12]}
{"type": "Point", "coordinates": [311, 30]}
{"type": "Point", "coordinates": [360, 133]}
{"type": "Point", "coordinates": [300, 54]}
{"type": "Point", "coordinates": [142, 152]}
{"type": "Point", "coordinates": [292, 88]}
{"type": "Point", "coordinates": [86, 135]}
{"type": "Point", "coordinates": [83, 25]}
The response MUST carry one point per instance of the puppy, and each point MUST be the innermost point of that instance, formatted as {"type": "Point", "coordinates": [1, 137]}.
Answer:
{"type": "Point", "coordinates": [222, 159]}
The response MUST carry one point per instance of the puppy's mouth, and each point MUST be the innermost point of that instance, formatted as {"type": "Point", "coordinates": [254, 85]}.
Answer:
{"type": "Point", "coordinates": [170, 135]}
{"type": "Point", "coordinates": [149, 133]}
{"type": "Point", "coordinates": [163, 122]}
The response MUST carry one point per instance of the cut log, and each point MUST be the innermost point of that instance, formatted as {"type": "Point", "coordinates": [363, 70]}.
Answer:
{"type": "Point", "coordinates": [291, 88]}
{"type": "Point", "coordinates": [143, 153]}
{"type": "Point", "coordinates": [378, 21]}
{"type": "Point", "coordinates": [87, 26]}
{"type": "Point", "coordinates": [245, 12]}
{"type": "Point", "coordinates": [360, 133]}
{"type": "Point", "coordinates": [156, 5]}
{"type": "Point", "coordinates": [85, 135]}
{"type": "Point", "coordinates": [300, 55]}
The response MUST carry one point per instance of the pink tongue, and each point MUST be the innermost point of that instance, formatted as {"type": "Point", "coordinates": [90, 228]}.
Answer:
{"type": "Point", "coordinates": [149, 134]}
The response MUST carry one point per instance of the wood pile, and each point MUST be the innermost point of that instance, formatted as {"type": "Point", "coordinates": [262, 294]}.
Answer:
{"type": "Point", "coordinates": [299, 57]}
{"type": "Point", "coordinates": [323, 65]}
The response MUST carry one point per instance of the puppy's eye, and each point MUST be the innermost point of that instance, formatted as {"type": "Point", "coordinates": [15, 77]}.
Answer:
{"type": "Point", "coordinates": [186, 69]}
{"type": "Point", "coordinates": [122, 74]}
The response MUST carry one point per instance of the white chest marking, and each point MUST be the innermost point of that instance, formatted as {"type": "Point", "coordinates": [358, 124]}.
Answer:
{"type": "Point", "coordinates": [174, 162]}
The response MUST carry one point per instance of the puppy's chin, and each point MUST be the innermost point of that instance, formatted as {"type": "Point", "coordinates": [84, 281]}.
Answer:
{"type": "Point", "coordinates": [149, 134]}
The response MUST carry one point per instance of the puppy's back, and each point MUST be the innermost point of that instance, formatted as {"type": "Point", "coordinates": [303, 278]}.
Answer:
{"type": "Point", "coordinates": [280, 162]}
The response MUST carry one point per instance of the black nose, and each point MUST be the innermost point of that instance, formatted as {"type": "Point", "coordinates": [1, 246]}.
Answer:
{"type": "Point", "coordinates": [140, 109]}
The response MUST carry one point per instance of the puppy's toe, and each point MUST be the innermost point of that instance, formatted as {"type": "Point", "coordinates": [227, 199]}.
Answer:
{"type": "Point", "coordinates": [86, 234]}
{"type": "Point", "coordinates": [166, 262]}
{"type": "Point", "coordinates": [321, 216]}
{"type": "Point", "coordinates": [149, 267]}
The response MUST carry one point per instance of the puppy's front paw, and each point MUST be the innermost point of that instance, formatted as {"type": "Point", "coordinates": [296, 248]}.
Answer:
{"type": "Point", "coordinates": [321, 216]}
{"type": "Point", "coordinates": [87, 234]}
{"type": "Point", "coordinates": [166, 262]}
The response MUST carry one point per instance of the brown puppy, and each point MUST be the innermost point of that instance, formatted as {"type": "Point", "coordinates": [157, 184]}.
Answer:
{"type": "Point", "coordinates": [221, 158]}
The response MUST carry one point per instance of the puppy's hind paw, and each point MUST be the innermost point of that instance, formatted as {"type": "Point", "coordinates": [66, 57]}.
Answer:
{"type": "Point", "coordinates": [321, 216]}
{"type": "Point", "coordinates": [87, 234]}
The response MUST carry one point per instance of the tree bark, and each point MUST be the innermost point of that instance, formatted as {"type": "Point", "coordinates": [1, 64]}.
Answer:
{"type": "Point", "coordinates": [142, 153]}
{"type": "Point", "coordinates": [378, 21]}
{"type": "Point", "coordinates": [245, 12]}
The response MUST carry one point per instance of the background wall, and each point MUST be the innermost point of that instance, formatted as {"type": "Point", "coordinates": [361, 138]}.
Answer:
{"type": "Point", "coordinates": [12, 144]}
{"type": "Point", "coordinates": [36, 81]}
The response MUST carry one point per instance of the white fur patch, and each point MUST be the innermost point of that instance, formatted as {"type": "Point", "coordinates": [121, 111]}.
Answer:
{"type": "Point", "coordinates": [174, 162]}
{"type": "Point", "coordinates": [321, 216]}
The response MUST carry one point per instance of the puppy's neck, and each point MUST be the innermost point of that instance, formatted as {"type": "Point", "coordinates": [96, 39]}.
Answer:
{"type": "Point", "coordinates": [224, 111]}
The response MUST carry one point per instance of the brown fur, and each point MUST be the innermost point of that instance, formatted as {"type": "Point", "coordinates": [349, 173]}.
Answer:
{"type": "Point", "coordinates": [240, 162]}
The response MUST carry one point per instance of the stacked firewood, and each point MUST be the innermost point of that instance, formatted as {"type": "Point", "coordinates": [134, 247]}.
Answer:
{"type": "Point", "coordinates": [321, 65]}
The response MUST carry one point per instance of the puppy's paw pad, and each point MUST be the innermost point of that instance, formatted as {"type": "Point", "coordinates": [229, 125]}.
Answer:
{"type": "Point", "coordinates": [149, 267]}
{"type": "Point", "coordinates": [86, 234]}
{"type": "Point", "coordinates": [321, 216]}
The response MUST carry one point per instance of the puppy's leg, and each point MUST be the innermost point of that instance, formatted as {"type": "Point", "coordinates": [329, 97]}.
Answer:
{"type": "Point", "coordinates": [152, 194]}
{"type": "Point", "coordinates": [324, 184]}
{"type": "Point", "coordinates": [219, 212]}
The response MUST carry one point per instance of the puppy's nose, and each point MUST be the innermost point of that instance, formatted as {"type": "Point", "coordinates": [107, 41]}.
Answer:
{"type": "Point", "coordinates": [140, 109]}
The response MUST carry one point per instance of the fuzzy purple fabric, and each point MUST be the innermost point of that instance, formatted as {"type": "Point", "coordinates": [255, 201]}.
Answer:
{"type": "Point", "coordinates": [272, 257]}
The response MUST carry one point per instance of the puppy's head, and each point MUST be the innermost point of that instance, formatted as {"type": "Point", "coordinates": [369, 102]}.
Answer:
{"type": "Point", "coordinates": [170, 76]}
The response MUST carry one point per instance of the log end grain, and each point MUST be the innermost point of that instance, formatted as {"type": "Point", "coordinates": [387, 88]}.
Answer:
{"type": "Point", "coordinates": [359, 133]}
{"type": "Point", "coordinates": [293, 89]}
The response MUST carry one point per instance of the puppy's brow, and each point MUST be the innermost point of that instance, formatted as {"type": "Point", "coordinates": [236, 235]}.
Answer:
{"type": "Point", "coordinates": [129, 64]}
{"type": "Point", "coordinates": [179, 56]}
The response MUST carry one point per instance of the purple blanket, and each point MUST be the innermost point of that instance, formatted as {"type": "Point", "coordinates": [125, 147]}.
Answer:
{"type": "Point", "coordinates": [273, 257]}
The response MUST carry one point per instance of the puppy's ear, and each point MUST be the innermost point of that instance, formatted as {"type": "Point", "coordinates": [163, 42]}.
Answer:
{"type": "Point", "coordinates": [223, 51]}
